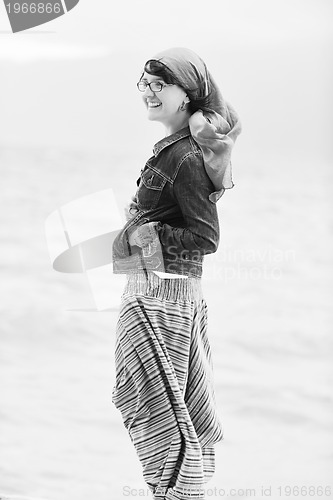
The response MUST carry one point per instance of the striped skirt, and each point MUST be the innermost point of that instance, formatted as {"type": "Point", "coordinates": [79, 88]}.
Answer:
{"type": "Point", "coordinates": [164, 388]}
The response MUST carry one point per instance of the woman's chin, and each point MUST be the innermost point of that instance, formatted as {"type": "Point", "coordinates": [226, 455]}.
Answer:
{"type": "Point", "coordinates": [152, 117]}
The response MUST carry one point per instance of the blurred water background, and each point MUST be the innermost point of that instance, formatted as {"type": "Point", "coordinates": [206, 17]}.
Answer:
{"type": "Point", "coordinates": [72, 124]}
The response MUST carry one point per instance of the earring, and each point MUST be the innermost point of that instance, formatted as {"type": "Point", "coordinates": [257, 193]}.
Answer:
{"type": "Point", "coordinates": [182, 107]}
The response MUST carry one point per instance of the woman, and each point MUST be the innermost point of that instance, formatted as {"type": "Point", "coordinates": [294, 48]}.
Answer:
{"type": "Point", "coordinates": [163, 360]}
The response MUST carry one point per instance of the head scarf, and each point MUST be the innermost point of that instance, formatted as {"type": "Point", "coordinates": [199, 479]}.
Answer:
{"type": "Point", "coordinates": [216, 127]}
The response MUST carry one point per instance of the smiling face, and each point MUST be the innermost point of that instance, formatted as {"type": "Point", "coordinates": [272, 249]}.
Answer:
{"type": "Point", "coordinates": [164, 106]}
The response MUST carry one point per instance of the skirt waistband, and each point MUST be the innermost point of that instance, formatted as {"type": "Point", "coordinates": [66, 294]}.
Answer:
{"type": "Point", "coordinates": [172, 289]}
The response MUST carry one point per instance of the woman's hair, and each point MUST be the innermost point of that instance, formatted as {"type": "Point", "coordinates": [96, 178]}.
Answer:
{"type": "Point", "coordinates": [157, 68]}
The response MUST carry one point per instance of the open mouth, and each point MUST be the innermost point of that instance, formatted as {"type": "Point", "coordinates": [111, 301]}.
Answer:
{"type": "Point", "coordinates": [153, 105]}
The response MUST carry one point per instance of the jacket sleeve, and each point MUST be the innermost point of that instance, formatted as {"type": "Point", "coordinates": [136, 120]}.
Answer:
{"type": "Point", "coordinates": [191, 190]}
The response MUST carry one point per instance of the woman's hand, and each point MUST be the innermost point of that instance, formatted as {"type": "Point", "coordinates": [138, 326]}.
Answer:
{"type": "Point", "coordinates": [132, 209]}
{"type": "Point", "coordinates": [144, 235]}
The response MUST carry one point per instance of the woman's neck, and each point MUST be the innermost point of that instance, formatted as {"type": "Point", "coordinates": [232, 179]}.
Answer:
{"type": "Point", "coordinates": [177, 125]}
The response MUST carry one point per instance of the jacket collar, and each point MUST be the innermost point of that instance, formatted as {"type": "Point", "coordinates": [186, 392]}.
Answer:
{"type": "Point", "coordinates": [170, 139]}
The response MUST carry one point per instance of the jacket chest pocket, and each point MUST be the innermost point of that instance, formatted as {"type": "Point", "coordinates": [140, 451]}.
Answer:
{"type": "Point", "coordinates": [150, 189]}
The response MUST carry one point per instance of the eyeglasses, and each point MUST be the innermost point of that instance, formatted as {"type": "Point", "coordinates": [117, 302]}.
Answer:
{"type": "Point", "coordinates": [155, 86]}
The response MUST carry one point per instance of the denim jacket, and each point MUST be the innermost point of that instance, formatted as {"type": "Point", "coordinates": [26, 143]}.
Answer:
{"type": "Point", "coordinates": [173, 190]}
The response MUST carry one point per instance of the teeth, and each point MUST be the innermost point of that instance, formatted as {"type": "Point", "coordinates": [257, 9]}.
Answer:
{"type": "Point", "coordinates": [153, 104]}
